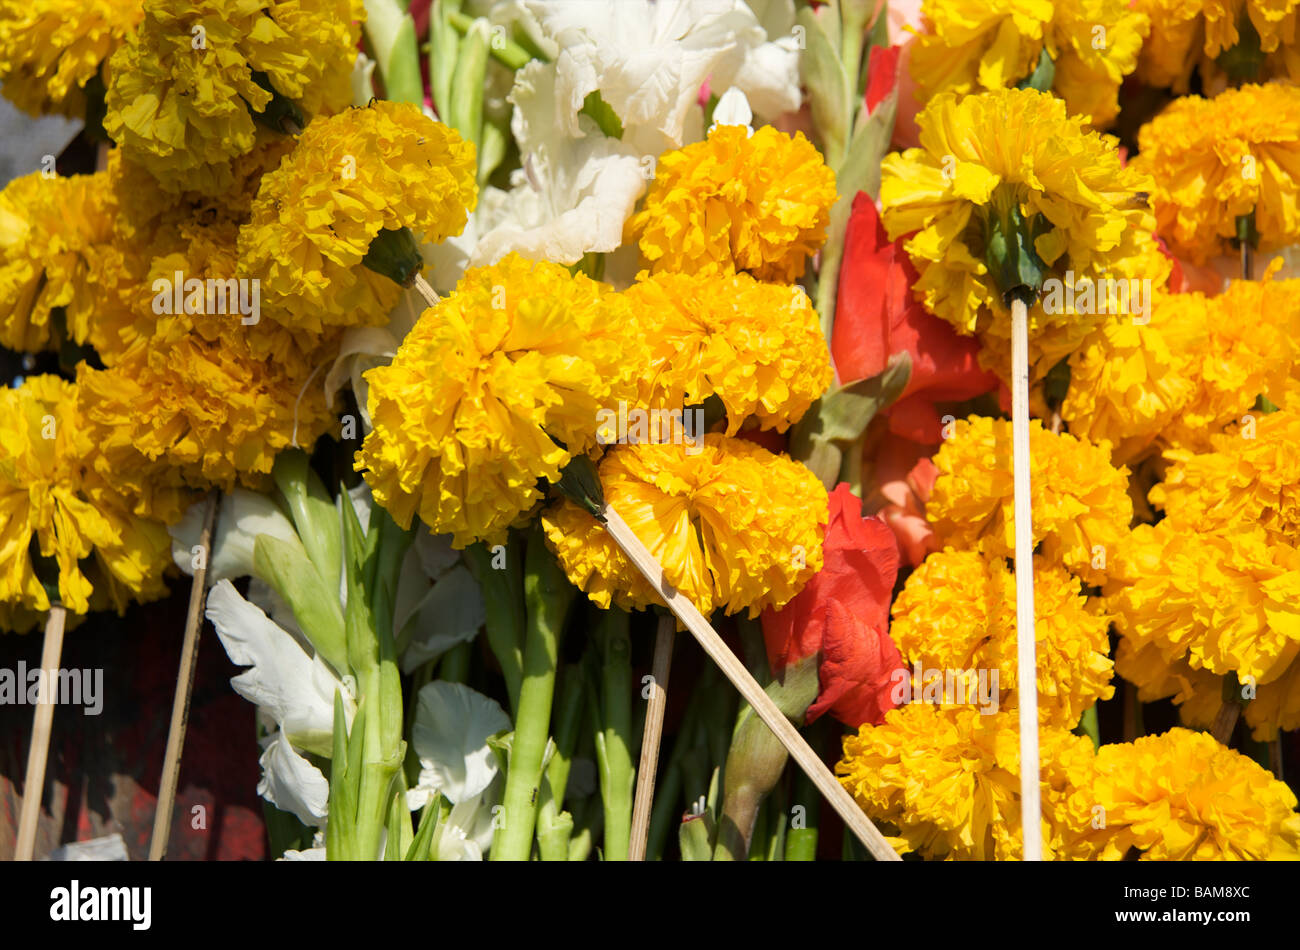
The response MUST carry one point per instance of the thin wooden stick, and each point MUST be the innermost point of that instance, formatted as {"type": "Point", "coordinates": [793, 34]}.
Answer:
{"type": "Point", "coordinates": [1031, 806]}
{"type": "Point", "coordinates": [740, 677]}
{"type": "Point", "coordinates": [654, 729]}
{"type": "Point", "coordinates": [430, 295]}
{"type": "Point", "coordinates": [171, 770]}
{"type": "Point", "coordinates": [1225, 721]}
{"type": "Point", "coordinates": [38, 753]}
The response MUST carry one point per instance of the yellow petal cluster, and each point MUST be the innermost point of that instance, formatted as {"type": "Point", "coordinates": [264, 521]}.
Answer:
{"type": "Point", "coordinates": [1237, 346]}
{"type": "Point", "coordinates": [737, 202]}
{"type": "Point", "coordinates": [983, 153]}
{"type": "Point", "coordinates": [185, 86]}
{"type": "Point", "coordinates": [1187, 34]}
{"type": "Point", "coordinates": [757, 347]}
{"type": "Point", "coordinates": [496, 388]}
{"type": "Point", "coordinates": [1182, 796]}
{"type": "Point", "coordinates": [977, 45]}
{"type": "Point", "coordinates": [1213, 160]}
{"type": "Point", "coordinates": [1251, 477]}
{"type": "Point", "coordinates": [957, 611]}
{"type": "Point", "coordinates": [946, 781]}
{"type": "Point", "coordinates": [351, 176]}
{"type": "Point", "coordinates": [50, 49]}
{"type": "Point", "coordinates": [1080, 501]}
{"type": "Point", "coordinates": [53, 500]}
{"type": "Point", "coordinates": [1229, 602]}
{"type": "Point", "coordinates": [1128, 382]}
{"type": "Point", "coordinates": [48, 227]}
{"type": "Point", "coordinates": [734, 526]}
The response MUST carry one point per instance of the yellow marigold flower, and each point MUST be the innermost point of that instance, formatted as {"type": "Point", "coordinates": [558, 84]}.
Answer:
{"type": "Point", "coordinates": [1214, 160]}
{"type": "Point", "coordinates": [1182, 796]}
{"type": "Point", "coordinates": [47, 227]}
{"type": "Point", "coordinates": [186, 85]}
{"type": "Point", "coordinates": [983, 156]}
{"type": "Point", "coordinates": [1237, 346]}
{"type": "Point", "coordinates": [1198, 693]}
{"type": "Point", "coordinates": [1188, 33]}
{"type": "Point", "coordinates": [957, 611]}
{"type": "Point", "coordinates": [758, 347]}
{"type": "Point", "coordinates": [496, 388]}
{"type": "Point", "coordinates": [976, 45]}
{"type": "Point", "coordinates": [351, 176]}
{"type": "Point", "coordinates": [1127, 383]}
{"type": "Point", "coordinates": [946, 779]}
{"type": "Point", "coordinates": [1229, 602]}
{"type": "Point", "coordinates": [50, 49]}
{"type": "Point", "coordinates": [737, 202]}
{"type": "Point", "coordinates": [204, 397]}
{"type": "Point", "coordinates": [50, 492]}
{"type": "Point", "coordinates": [1081, 506]}
{"type": "Point", "coordinates": [1251, 477]}
{"type": "Point", "coordinates": [733, 525]}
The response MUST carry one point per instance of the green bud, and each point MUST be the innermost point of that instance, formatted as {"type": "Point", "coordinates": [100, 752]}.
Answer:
{"type": "Point", "coordinates": [396, 254]}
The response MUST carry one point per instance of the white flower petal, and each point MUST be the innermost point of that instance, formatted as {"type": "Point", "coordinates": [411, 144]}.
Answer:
{"type": "Point", "coordinates": [452, 726]}
{"type": "Point", "coordinates": [733, 109]}
{"type": "Point", "coordinates": [296, 688]}
{"type": "Point", "coordinates": [452, 612]}
{"type": "Point", "coordinates": [241, 517]}
{"type": "Point", "coordinates": [293, 784]}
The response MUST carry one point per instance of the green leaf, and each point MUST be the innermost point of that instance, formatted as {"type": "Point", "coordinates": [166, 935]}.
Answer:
{"type": "Point", "coordinates": [419, 849]}
{"type": "Point", "coordinates": [839, 419]}
{"type": "Point", "coordinates": [828, 87]}
{"type": "Point", "coordinates": [603, 115]}
{"type": "Point", "coordinates": [695, 836]}
{"type": "Point", "coordinates": [315, 602]}
{"type": "Point", "coordinates": [340, 830]}
{"type": "Point", "coordinates": [444, 43]}
{"type": "Point", "coordinates": [1043, 76]}
{"type": "Point", "coordinates": [466, 114]}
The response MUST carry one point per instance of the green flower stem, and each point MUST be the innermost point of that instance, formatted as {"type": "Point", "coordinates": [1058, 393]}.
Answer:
{"type": "Point", "coordinates": [444, 43]}
{"type": "Point", "coordinates": [504, 50]}
{"type": "Point", "coordinates": [1089, 727]}
{"type": "Point", "coordinates": [554, 826]}
{"type": "Point", "coordinates": [313, 511]}
{"type": "Point", "coordinates": [587, 824]}
{"type": "Point", "coordinates": [548, 596]}
{"type": "Point", "coordinates": [668, 792]}
{"type": "Point", "coordinates": [466, 112]}
{"type": "Point", "coordinates": [801, 842]}
{"type": "Point", "coordinates": [454, 667]}
{"type": "Point", "coordinates": [614, 738]}
{"type": "Point", "coordinates": [502, 584]}
{"type": "Point", "coordinates": [390, 31]}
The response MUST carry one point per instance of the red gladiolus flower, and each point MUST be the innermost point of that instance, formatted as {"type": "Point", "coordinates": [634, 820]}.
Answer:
{"type": "Point", "coordinates": [876, 316]}
{"type": "Point", "coordinates": [843, 615]}
{"type": "Point", "coordinates": [903, 473]}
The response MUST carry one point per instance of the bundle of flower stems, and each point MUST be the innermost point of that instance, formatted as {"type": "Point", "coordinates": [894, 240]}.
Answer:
{"type": "Point", "coordinates": [931, 365]}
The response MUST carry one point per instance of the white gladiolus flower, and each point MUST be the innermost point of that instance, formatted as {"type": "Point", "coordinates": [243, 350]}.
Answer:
{"type": "Point", "coordinates": [450, 737]}
{"type": "Point", "coordinates": [242, 516]}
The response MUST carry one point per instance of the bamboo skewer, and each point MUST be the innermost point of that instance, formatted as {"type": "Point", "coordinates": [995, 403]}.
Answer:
{"type": "Point", "coordinates": [184, 688]}
{"type": "Point", "coordinates": [654, 727]}
{"type": "Point", "coordinates": [753, 693]}
{"type": "Point", "coordinates": [38, 753]}
{"type": "Point", "coordinates": [1031, 808]}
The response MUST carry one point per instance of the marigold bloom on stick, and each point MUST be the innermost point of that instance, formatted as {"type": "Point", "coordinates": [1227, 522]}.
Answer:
{"type": "Point", "coordinates": [734, 526]}
{"type": "Point", "coordinates": [351, 176]}
{"type": "Point", "coordinates": [947, 778]}
{"type": "Point", "coordinates": [496, 388]}
{"type": "Point", "coordinates": [1080, 501]}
